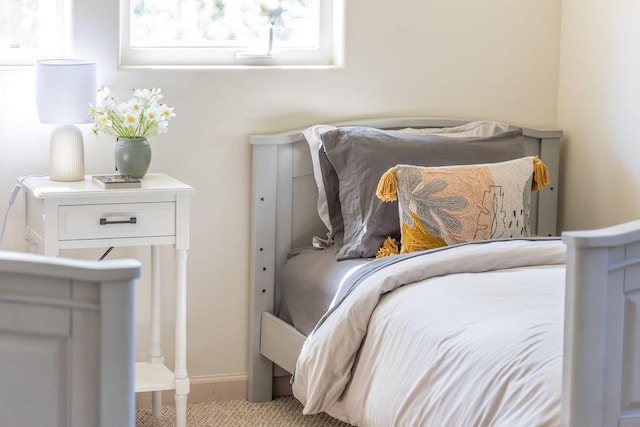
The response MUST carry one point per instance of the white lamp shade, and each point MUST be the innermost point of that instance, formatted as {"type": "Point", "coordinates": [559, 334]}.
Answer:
{"type": "Point", "coordinates": [64, 89]}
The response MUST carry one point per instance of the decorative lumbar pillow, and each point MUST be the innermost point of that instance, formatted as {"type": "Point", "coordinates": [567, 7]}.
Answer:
{"type": "Point", "coordinates": [440, 206]}
{"type": "Point", "coordinates": [354, 158]}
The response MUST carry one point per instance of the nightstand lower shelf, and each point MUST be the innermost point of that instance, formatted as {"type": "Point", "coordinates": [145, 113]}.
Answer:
{"type": "Point", "coordinates": [153, 377]}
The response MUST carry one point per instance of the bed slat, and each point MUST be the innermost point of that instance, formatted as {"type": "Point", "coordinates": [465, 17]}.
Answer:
{"type": "Point", "coordinates": [281, 342]}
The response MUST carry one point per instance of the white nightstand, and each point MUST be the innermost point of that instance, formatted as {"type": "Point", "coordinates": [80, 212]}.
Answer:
{"type": "Point", "coordinates": [78, 215]}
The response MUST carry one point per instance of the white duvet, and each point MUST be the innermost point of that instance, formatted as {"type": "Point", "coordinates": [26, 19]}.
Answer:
{"type": "Point", "coordinates": [471, 336]}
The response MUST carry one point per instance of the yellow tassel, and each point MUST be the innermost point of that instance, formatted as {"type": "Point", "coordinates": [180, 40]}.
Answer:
{"type": "Point", "coordinates": [540, 175]}
{"type": "Point", "coordinates": [387, 186]}
{"type": "Point", "coordinates": [389, 247]}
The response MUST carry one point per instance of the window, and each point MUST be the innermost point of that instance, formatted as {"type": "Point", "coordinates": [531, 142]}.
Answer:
{"type": "Point", "coordinates": [30, 30]}
{"type": "Point", "coordinates": [227, 32]}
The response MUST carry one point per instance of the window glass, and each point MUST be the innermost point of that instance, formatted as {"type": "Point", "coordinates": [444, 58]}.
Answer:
{"type": "Point", "coordinates": [200, 32]}
{"type": "Point", "coordinates": [29, 30]}
{"type": "Point", "coordinates": [223, 23]}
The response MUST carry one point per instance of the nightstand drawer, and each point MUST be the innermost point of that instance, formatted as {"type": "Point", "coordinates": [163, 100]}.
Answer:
{"type": "Point", "coordinates": [119, 220]}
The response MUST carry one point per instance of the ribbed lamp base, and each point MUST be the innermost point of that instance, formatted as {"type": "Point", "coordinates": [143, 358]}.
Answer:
{"type": "Point", "coordinates": [66, 154]}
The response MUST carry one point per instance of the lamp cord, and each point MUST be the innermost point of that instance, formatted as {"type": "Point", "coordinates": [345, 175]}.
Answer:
{"type": "Point", "coordinates": [4, 223]}
{"type": "Point", "coordinates": [104, 255]}
{"type": "Point", "coordinates": [12, 200]}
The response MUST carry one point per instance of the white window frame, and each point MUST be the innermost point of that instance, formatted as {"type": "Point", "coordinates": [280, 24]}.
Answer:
{"type": "Point", "coordinates": [55, 21]}
{"type": "Point", "coordinates": [328, 54]}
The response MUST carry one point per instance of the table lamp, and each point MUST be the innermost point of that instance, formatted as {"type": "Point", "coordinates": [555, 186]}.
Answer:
{"type": "Point", "coordinates": [64, 89]}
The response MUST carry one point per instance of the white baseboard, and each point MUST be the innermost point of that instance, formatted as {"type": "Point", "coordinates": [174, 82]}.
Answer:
{"type": "Point", "coordinates": [209, 388]}
{"type": "Point", "coordinates": [204, 389]}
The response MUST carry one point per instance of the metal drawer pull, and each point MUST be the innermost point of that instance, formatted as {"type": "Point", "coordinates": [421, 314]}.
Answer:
{"type": "Point", "coordinates": [105, 221]}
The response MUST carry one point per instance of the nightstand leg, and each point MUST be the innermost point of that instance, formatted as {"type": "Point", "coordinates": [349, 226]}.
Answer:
{"type": "Point", "coordinates": [156, 404]}
{"type": "Point", "coordinates": [181, 378]}
{"type": "Point", "coordinates": [181, 410]}
{"type": "Point", "coordinates": [156, 322]}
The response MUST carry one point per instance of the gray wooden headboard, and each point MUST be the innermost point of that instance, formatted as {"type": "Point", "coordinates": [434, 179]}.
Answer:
{"type": "Point", "coordinates": [284, 205]}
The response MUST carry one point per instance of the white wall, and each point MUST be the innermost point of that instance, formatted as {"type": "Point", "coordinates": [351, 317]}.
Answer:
{"type": "Point", "coordinates": [599, 109]}
{"type": "Point", "coordinates": [494, 59]}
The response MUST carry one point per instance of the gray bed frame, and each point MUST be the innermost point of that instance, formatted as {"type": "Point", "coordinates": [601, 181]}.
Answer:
{"type": "Point", "coordinates": [284, 216]}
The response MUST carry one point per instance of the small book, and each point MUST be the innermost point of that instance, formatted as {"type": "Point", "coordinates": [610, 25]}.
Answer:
{"type": "Point", "coordinates": [116, 181]}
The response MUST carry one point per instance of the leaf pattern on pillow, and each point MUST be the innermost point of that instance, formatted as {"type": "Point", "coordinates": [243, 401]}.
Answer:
{"type": "Point", "coordinates": [416, 238]}
{"type": "Point", "coordinates": [436, 210]}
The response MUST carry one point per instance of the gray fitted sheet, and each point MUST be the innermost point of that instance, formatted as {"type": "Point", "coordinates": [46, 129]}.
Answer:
{"type": "Point", "coordinates": [309, 282]}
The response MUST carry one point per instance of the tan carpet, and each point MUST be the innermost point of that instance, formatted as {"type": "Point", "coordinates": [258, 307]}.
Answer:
{"type": "Point", "coordinates": [281, 412]}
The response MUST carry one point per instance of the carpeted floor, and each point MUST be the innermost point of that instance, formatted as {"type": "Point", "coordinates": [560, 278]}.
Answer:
{"type": "Point", "coordinates": [281, 412]}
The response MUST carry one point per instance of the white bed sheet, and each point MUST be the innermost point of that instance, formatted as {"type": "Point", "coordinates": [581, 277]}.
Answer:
{"type": "Point", "coordinates": [463, 349]}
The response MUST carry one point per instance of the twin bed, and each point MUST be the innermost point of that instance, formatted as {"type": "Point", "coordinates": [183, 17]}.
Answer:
{"type": "Point", "coordinates": [484, 318]}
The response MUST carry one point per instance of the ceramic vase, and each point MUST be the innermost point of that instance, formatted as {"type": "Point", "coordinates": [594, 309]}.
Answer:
{"type": "Point", "coordinates": [132, 156]}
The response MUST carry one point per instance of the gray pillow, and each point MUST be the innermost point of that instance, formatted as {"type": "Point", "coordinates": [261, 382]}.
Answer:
{"type": "Point", "coordinates": [352, 160]}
